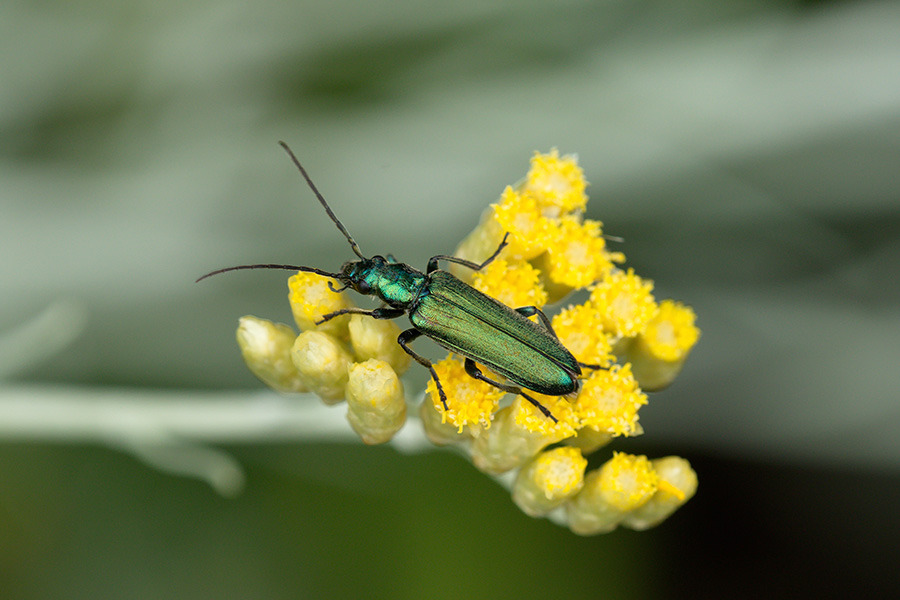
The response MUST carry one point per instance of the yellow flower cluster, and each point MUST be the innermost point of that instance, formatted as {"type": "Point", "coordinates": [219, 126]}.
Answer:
{"type": "Point", "coordinates": [629, 342]}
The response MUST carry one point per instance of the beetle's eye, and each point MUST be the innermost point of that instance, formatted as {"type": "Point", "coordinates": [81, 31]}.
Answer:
{"type": "Point", "coordinates": [363, 287]}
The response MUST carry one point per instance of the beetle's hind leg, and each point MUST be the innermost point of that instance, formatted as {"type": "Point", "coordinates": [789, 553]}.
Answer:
{"type": "Point", "coordinates": [475, 373]}
{"type": "Point", "coordinates": [592, 367]}
{"type": "Point", "coordinates": [404, 339]}
{"type": "Point", "coordinates": [527, 311]}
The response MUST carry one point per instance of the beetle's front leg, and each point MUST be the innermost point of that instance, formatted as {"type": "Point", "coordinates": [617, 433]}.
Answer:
{"type": "Point", "coordinates": [377, 313]}
{"type": "Point", "coordinates": [404, 339]}
{"type": "Point", "coordinates": [475, 373]}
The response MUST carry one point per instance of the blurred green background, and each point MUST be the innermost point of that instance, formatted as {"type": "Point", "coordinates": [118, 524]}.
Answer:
{"type": "Point", "coordinates": [747, 152]}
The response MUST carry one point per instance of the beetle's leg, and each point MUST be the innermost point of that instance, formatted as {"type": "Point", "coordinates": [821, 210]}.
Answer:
{"type": "Point", "coordinates": [528, 311]}
{"type": "Point", "coordinates": [433, 261]}
{"type": "Point", "coordinates": [475, 373]}
{"type": "Point", "coordinates": [590, 366]}
{"type": "Point", "coordinates": [336, 290]}
{"type": "Point", "coordinates": [377, 313]}
{"type": "Point", "coordinates": [404, 339]}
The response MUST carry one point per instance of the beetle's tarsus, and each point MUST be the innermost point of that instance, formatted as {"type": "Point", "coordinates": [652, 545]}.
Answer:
{"type": "Point", "coordinates": [590, 366]}
{"type": "Point", "coordinates": [539, 406]}
{"type": "Point", "coordinates": [343, 311]}
{"type": "Point", "coordinates": [334, 289]}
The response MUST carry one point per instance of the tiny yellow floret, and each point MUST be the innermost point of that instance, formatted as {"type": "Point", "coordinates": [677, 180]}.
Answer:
{"type": "Point", "coordinates": [557, 181]}
{"type": "Point", "coordinates": [625, 302]}
{"type": "Point", "coordinates": [469, 401]}
{"type": "Point", "coordinates": [514, 283]}
{"type": "Point", "coordinates": [609, 401]}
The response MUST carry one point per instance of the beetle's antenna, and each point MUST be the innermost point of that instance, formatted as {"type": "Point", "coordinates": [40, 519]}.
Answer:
{"type": "Point", "coordinates": [285, 267]}
{"type": "Point", "coordinates": [321, 198]}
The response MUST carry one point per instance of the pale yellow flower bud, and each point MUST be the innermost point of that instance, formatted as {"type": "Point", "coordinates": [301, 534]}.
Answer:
{"type": "Point", "coordinates": [659, 352]}
{"type": "Point", "coordinates": [677, 485]}
{"type": "Point", "coordinates": [589, 440]}
{"type": "Point", "coordinates": [509, 443]}
{"type": "Point", "coordinates": [555, 290]}
{"type": "Point", "coordinates": [376, 405]}
{"type": "Point", "coordinates": [621, 485]}
{"type": "Point", "coordinates": [377, 338]}
{"type": "Point", "coordinates": [266, 347]}
{"type": "Point", "coordinates": [323, 363]}
{"type": "Point", "coordinates": [548, 480]}
{"type": "Point", "coordinates": [439, 431]}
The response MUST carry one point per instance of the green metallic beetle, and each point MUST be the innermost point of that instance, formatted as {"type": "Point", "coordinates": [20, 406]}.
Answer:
{"type": "Point", "coordinates": [455, 315]}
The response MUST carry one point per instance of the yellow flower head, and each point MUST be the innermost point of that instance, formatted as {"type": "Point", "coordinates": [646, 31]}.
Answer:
{"type": "Point", "coordinates": [557, 182]}
{"type": "Point", "coordinates": [609, 401]}
{"type": "Point", "coordinates": [625, 303]}
{"type": "Point", "coordinates": [677, 484]}
{"type": "Point", "coordinates": [560, 472]}
{"type": "Point", "coordinates": [627, 481]}
{"type": "Point", "coordinates": [530, 232]}
{"type": "Point", "coordinates": [513, 283]}
{"type": "Point", "coordinates": [469, 401]}
{"type": "Point", "coordinates": [311, 299]}
{"type": "Point", "coordinates": [549, 479]}
{"type": "Point", "coordinates": [672, 333]}
{"type": "Point", "coordinates": [578, 256]}
{"type": "Point", "coordinates": [580, 329]}
{"type": "Point", "coordinates": [529, 417]}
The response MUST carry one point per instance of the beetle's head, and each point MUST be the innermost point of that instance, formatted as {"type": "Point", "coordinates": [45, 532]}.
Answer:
{"type": "Point", "coordinates": [356, 273]}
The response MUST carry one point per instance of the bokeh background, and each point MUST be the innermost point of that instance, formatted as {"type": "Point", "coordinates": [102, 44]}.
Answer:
{"type": "Point", "coordinates": [748, 152]}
